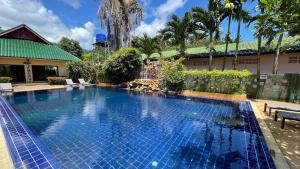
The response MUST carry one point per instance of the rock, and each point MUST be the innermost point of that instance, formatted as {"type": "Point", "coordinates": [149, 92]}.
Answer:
{"type": "Point", "coordinates": [144, 85]}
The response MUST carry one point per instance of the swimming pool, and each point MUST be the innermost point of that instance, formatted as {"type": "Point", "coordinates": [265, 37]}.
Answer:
{"type": "Point", "coordinates": [104, 128]}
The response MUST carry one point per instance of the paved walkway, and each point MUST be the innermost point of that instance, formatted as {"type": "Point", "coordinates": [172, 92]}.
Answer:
{"type": "Point", "coordinates": [288, 139]}
{"type": "Point", "coordinates": [22, 88]}
{"type": "Point", "coordinates": [5, 160]}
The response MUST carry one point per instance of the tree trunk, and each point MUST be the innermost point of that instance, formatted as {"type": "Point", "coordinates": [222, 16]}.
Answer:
{"type": "Point", "coordinates": [238, 37]}
{"type": "Point", "coordinates": [227, 42]}
{"type": "Point", "coordinates": [275, 65]}
{"type": "Point", "coordinates": [258, 55]}
{"type": "Point", "coordinates": [117, 35]}
{"type": "Point", "coordinates": [210, 50]}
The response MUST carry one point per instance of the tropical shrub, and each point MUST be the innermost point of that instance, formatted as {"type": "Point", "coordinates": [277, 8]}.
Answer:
{"type": "Point", "coordinates": [5, 79]}
{"type": "Point", "coordinates": [81, 69]}
{"type": "Point", "coordinates": [171, 74]}
{"type": "Point", "coordinates": [102, 77]}
{"type": "Point", "coordinates": [56, 80]}
{"type": "Point", "coordinates": [122, 66]}
{"type": "Point", "coordinates": [228, 81]}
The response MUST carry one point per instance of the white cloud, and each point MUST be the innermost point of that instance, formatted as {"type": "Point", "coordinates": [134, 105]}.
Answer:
{"type": "Point", "coordinates": [34, 14]}
{"type": "Point", "coordinates": [161, 14]}
{"type": "Point", "coordinates": [73, 3]}
{"type": "Point", "coordinates": [169, 7]}
{"type": "Point", "coordinates": [151, 29]}
{"type": "Point", "coordinates": [84, 35]}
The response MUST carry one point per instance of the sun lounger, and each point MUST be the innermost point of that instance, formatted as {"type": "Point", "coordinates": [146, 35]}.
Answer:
{"type": "Point", "coordinates": [83, 82]}
{"type": "Point", "coordinates": [280, 107]}
{"type": "Point", "coordinates": [70, 82]}
{"type": "Point", "coordinates": [6, 87]}
{"type": "Point", "coordinates": [287, 115]}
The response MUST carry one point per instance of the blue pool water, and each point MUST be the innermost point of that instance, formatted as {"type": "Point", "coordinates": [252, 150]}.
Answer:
{"type": "Point", "coordinates": [101, 128]}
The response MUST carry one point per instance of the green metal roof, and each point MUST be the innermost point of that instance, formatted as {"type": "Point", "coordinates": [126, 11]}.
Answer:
{"type": "Point", "coordinates": [17, 48]}
{"type": "Point", "coordinates": [246, 48]}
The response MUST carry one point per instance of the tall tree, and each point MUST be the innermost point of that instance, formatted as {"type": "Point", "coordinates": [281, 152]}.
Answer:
{"type": "Point", "coordinates": [177, 32]}
{"type": "Point", "coordinates": [71, 46]}
{"type": "Point", "coordinates": [148, 45]}
{"type": "Point", "coordinates": [120, 17]}
{"type": "Point", "coordinates": [281, 16]}
{"type": "Point", "coordinates": [209, 22]}
{"type": "Point", "coordinates": [232, 13]}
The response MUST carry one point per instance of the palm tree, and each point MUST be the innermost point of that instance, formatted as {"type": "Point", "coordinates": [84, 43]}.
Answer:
{"type": "Point", "coordinates": [119, 17]}
{"type": "Point", "coordinates": [177, 32]}
{"type": "Point", "coordinates": [280, 15]}
{"type": "Point", "coordinates": [148, 45]}
{"type": "Point", "coordinates": [231, 12]}
{"type": "Point", "coordinates": [209, 22]}
{"type": "Point", "coordinates": [132, 15]}
{"type": "Point", "coordinates": [239, 4]}
{"type": "Point", "coordinates": [240, 8]}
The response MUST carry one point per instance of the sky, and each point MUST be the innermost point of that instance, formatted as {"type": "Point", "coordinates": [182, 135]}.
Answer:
{"type": "Point", "coordinates": [77, 19]}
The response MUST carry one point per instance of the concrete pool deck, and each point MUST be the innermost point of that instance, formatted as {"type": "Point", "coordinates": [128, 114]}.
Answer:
{"type": "Point", "coordinates": [5, 159]}
{"type": "Point", "coordinates": [287, 139]}
{"type": "Point", "coordinates": [36, 86]}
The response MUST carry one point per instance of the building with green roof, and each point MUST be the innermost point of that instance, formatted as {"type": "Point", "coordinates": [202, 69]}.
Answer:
{"type": "Point", "coordinates": [28, 57]}
{"type": "Point", "coordinates": [197, 58]}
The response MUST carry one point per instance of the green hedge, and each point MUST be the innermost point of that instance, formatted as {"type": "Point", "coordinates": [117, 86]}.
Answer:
{"type": "Point", "coordinates": [216, 81]}
{"type": "Point", "coordinates": [5, 79]}
{"type": "Point", "coordinates": [56, 80]}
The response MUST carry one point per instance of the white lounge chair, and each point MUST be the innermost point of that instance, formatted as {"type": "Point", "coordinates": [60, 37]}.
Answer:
{"type": "Point", "coordinates": [70, 82]}
{"type": "Point", "coordinates": [6, 87]}
{"type": "Point", "coordinates": [83, 82]}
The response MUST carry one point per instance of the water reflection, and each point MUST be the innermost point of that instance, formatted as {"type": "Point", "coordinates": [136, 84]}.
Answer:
{"type": "Point", "coordinates": [96, 127]}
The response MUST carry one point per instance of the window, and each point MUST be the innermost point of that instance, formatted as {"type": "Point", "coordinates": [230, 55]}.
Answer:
{"type": "Point", "coordinates": [246, 61]}
{"type": "Point", "coordinates": [294, 59]}
{"type": "Point", "coordinates": [201, 63]}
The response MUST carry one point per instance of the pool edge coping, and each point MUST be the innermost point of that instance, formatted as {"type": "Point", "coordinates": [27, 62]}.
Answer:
{"type": "Point", "coordinates": [278, 157]}
{"type": "Point", "coordinates": [10, 144]}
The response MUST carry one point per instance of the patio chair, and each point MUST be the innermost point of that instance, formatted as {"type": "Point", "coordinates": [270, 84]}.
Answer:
{"type": "Point", "coordinates": [70, 82]}
{"type": "Point", "coordinates": [83, 82]}
{"type": "Point", "coordinates": [6, 87]}
{"type": "Point", "coordinates": [281, 107]}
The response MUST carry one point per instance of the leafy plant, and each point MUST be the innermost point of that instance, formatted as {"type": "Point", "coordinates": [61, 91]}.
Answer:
{"type": "Point", "coordinates": [124, 65]}
{"type": "Point", "coordinates": [71, 46]}
{"type": "Point", "coordinates": [56, 80]}
{"type": "Point", "coordinates": [5, 79]}
{"type": "Point", "coordinates": [82, 69]}
{"type": "Point", "coordinates": [178, 31]}
{"type": "Point", "coordinates": [228, 81]}
{"type": "Point", "coordinates": [147, 45]}
{"type": "Point", "coordinates": [171, 74]}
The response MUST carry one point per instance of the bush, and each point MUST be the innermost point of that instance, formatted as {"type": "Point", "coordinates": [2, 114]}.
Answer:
{"type": "Point", "coordinates": [171, 74]}
{"type": "Point", "coordinates": [124, 65]}
{"type": "Point", "coordinates": [82, 69]}
{"type": "Point", "coordinates": [56, 80]}
{"type": "Point", "coordinates": [228, 81]}
{"type": "Point", "coordinates": [102, 77]}
{"type": "Point", "coordinates": [5, 79]}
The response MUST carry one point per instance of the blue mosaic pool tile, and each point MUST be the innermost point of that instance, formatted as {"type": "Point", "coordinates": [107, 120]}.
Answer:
{"type": "Point", "coordinates": [25, 149]}
{"type": "Point", "coordinates": [178, 132]}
